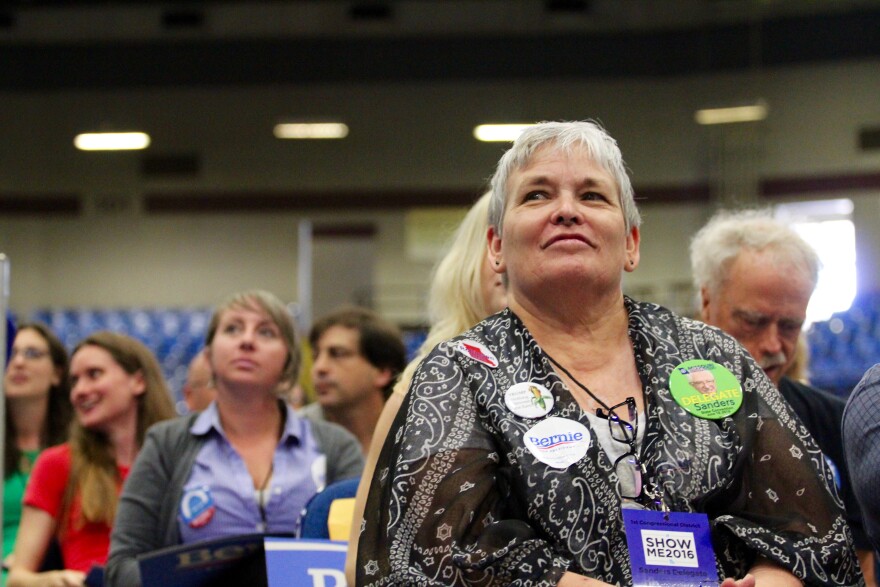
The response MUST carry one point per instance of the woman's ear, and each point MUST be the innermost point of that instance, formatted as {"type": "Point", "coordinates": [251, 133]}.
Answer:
{"type": "Point", "coordinates": [139, 384]}
{"type": "Point", "coordinates": [632, 250]}
{"type": "Point", "coordinates": [493, 250]}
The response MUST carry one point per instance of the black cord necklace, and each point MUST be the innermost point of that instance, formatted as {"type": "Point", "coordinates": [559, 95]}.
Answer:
{"type": "Point", "coordinates": [649, 488]}
{"type": "Point", "coordinates": [578, 383]}
{"type": "Point", "coordinates": [590, 393]}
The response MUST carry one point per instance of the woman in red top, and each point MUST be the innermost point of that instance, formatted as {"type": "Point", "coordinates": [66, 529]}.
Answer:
{"type": "Point", "coordinates": [117, 391]}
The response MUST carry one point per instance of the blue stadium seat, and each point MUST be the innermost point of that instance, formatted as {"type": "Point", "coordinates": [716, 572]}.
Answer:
{"type": "Point", "coordinates": [174, 335]}
{"type": "Point", "coordinates": [845, 346]}
{"type": "Point", "coordinates": [314, 519]}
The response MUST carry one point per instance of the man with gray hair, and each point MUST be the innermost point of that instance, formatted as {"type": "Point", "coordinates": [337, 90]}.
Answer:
{"type": "Point", "coordinates": [755, 277]}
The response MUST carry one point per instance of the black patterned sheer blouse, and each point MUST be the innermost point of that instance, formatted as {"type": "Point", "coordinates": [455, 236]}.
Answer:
{"type": "Point", "coordinates": [458, 499]}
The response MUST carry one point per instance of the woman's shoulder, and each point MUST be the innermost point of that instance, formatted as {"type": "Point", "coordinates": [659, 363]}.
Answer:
{"type": "Point", "coordinates": [659, 318]}
{"type": "Point", "coordinates": [56, 455]}
{"type": "Point", "coordinates": [175, 429]}
{"type": "Point", "coordinates": [498, 340]}
{"type": "Point", "coordinates": [54, 463]}
{"type": "Point", "coordinates": [487, 334]}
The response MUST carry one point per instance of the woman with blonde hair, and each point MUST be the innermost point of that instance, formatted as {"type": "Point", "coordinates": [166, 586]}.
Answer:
{"type": "Point", "coordinates": [117, 391]}
{"type": "Point", "coordinates": [464, 290]}
{"type": "Point", "coordinates": [246, 463]}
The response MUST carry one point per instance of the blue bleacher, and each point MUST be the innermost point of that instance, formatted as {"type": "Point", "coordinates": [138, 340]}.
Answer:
{"type": "Point", "coordinates": [843, 347]}
{"type": "Point", "coordinates": [174, 335]}
{"type": "Point", "coordinates": [412, 340]}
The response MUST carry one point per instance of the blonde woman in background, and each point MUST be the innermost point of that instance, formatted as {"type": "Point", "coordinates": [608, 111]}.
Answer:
{"type": "Point", "coordinates": [799, 368]}
{"type": "Point", "coordinates": [117, 391]}
{"type": "Point", "coordinates": [464, 290]}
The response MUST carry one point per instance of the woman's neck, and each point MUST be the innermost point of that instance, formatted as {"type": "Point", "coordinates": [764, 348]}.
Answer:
{"type": "Point", "coordinates": [591, 350]}
{"type": "Point", "coordinates": [29, 418]}
{"type": "Point", "coordinates": [580, 327]}
{"type": "Point", "coordinates": [251, 415]}
{"type": "Point", "coordinates": [123, 439]}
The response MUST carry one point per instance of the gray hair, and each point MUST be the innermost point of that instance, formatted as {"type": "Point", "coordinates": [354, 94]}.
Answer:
{"type": "Point", "coordinates": [565, 136]}
{"type": "Point", "coordinates": [717, 245]}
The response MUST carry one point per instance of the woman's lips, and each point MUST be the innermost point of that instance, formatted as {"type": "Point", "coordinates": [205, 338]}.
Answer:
{"type": "Point", "coordinates": [563, 238]}
{"type": "Point", "coordinates": [245, 363]}
{"type": "Point", "coordinates": [86, 405]}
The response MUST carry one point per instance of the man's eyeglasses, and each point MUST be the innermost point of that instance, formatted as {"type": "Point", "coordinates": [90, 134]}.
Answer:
{"type": "Point", "coordinates": [628, 467]}
{"type": "Point", "coordinates": [29, 353]}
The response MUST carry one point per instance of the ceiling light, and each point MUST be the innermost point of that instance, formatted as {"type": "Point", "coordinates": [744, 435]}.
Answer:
{"type": "Point", "coordinates": [112, 141]}
{"type": "Point", "coordinates": [499, 132]}
{"type": "Point", "coordinates": [750, 113]}
{"type": "Point", "coordinates": [311, 130]}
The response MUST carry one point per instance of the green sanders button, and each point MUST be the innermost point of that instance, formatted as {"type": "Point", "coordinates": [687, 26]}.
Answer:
{"type": "Point", "coordinates": [705, 389]}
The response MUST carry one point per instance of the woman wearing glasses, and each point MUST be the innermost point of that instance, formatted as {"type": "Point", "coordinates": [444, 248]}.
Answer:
{"type": "Point", "coordinates": [38, 414]}
{"type": "Point", "coordinates": [521, 442]}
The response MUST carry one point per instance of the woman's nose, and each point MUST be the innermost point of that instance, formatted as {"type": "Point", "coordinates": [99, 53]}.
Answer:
{"type": "Point", "coordinates": [566, 212]}
{"type": "Point", "coordinates": [247, 339]}
{"type": "Point", "coordinates": [77, 388]}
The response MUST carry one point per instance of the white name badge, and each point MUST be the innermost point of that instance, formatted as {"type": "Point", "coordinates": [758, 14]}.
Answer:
{"type": "Point", "coordinates": [558, 442]}
{"type": "Point", "coordinates": [529, 400]}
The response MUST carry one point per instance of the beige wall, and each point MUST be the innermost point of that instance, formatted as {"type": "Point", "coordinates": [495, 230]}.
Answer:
{"type": "Point", "coordinates": [402, 137]}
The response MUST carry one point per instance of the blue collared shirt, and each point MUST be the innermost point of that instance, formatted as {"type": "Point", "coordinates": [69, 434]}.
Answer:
{"type": "Point", "coordinates": [219, 498]}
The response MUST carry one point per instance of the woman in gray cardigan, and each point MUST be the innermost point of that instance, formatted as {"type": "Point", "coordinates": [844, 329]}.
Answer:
{"type": "Point", "coordinates": [247, 463]}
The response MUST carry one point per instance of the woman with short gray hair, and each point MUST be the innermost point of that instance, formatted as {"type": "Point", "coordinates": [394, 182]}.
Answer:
{"type": "Point", "coordinates": [541, 446]}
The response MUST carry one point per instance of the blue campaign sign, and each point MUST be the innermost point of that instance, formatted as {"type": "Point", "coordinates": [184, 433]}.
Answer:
{"type": "Point", "coordinates": [310, 563]}
{"type": "Point", "coordinates": [673, 549]}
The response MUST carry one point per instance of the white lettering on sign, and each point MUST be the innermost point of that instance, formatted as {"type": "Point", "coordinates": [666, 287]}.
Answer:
{"type": "Point", "coordinates": [319, 577]}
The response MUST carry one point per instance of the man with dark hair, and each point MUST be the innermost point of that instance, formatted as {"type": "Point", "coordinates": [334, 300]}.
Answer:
{"type": "Point", "coordinates": [357, 358]}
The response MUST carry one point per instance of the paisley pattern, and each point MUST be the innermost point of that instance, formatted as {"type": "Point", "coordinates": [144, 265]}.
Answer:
{"type": "Point", "coordinates": [458, 499]}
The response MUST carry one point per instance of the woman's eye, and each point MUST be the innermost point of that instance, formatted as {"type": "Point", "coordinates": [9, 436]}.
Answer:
{"type": "Point", "coordinates": [593, 196]}
{"type": "Point", "coordinates": [531, 196]}
{"type": "Point", "coordinates": [268, 332]}
{"type": "Point", "coordinates": [231, 328]}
